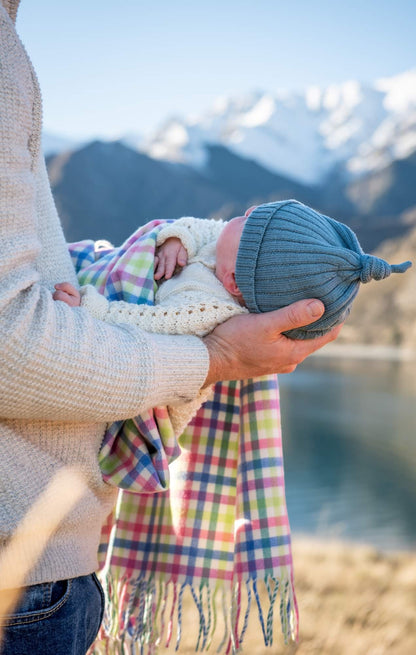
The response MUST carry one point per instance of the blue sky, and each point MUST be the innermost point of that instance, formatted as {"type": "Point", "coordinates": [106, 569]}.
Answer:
{"type": "Point", "coordinates": [108, 68]}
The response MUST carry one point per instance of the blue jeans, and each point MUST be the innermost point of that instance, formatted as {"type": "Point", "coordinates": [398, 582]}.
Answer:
{"type": "Point", "coordinates": [54, 618]}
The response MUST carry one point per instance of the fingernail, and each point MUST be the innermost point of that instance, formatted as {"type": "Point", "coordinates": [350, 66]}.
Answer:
{"type": "Point", "coordinates": [315, 308]}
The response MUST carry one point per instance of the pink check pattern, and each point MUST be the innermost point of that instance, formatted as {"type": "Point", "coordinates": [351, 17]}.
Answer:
{"type": "Point", "coordinates": [217, 528]}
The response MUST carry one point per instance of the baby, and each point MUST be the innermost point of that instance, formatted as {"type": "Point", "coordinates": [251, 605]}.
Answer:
{"type": "Point", "coordinates": [274, 255]}
{"type": "Point", "coordinates": [208, 271]}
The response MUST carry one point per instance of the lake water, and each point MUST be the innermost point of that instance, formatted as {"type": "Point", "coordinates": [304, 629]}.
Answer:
{"type": "Point", "coordinates": [349, 434]}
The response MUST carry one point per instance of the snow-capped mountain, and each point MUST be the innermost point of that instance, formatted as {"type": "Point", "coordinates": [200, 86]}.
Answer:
{"type": "Point", "coordinates": [361, 128]}
{"type": "Point", "coordinates": [347, 150]}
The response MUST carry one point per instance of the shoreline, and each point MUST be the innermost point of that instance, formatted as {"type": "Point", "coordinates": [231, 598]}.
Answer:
{"type": "Point", "coordinates": [304, 539]}
{"type": "Point", "coordinates": [366, 351]}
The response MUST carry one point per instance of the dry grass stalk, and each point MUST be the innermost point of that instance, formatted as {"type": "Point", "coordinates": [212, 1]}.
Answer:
{"type": "Point", "coordinates": [29, 540]}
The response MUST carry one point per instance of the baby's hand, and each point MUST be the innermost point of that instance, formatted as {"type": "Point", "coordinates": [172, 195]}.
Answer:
{"type": "Point", "coordinates": [168, 256]}
{"type": "Point", "coordinates": [68, 294]}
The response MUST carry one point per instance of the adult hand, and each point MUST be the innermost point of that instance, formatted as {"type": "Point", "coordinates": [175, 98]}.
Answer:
{"type": "Point", "coordinates": [251, 345]}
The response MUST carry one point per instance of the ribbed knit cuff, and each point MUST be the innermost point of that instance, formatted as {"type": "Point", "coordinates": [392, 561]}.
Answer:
{"type": "Point", "coordinates": [178, 231]}
{"type": "Point", "coordinates": [181, 366]}
{"type": "Point", "coordinates": [96, 304]}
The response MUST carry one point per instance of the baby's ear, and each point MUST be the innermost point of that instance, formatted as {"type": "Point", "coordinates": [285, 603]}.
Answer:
{"type": "Point", "coordinates": [231, 285]}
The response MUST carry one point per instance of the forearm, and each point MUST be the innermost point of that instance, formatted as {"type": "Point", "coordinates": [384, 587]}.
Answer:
{"type": "Point", "coordinates": [61, 364]}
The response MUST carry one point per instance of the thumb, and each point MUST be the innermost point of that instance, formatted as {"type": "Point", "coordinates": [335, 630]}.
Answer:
{"type": "Point", "coordinates": [299, 313]}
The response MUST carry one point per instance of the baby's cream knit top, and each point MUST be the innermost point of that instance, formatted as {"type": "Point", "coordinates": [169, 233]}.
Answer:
{"type": "Point", "coordinates": [191, 302]}
{"type": "Point", "coordinates": [64, 374]}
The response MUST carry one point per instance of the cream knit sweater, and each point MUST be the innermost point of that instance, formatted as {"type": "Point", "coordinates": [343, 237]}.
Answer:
{"type": "Point", "coordinates": [64, 374]}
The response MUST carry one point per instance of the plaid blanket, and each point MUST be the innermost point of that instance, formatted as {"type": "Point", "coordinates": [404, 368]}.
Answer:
{"type": "Point", "coordinates": [217, 529]}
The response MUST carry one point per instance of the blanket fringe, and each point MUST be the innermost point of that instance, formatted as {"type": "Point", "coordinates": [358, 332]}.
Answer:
{"type": "Point", "coordinates": [144, 616]}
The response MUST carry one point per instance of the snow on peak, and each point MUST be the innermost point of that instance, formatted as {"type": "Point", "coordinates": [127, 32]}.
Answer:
{"type": "Point", "coordinates": [260, 114]}
{"type": "Point", "coordinates": [313, 98]}
{"type": "Point", "coordinates": [399, 91]}
{"type": "Point", "coordinates": [302, 135]}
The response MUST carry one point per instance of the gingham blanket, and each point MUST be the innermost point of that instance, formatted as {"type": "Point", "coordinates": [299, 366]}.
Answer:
{"type": "Point", "coordinates": [217, 528]}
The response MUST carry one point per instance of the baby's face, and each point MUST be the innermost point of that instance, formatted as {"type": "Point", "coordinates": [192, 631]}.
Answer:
{"type": "Point", "coordinates": [227, 247]}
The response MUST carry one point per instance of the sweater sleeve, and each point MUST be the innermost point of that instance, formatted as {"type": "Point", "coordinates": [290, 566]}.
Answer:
{"type": "Point", "coordinates": [181, 415]}
{"type": "Point", "coordinates": [197, 316]}
{"type": "Point", "coordinates": [194, 233]}
{"type": "Point", "coordinates": [59, 363]}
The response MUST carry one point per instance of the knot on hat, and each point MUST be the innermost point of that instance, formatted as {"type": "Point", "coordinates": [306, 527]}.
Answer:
{"type": "Point", "coordinates": [375, 268]}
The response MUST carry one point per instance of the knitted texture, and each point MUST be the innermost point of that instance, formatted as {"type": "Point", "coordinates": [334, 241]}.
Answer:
{"type": "Point", "coordinates": [192, 302]}
{"type": "Point", "coordinates": [194, 233]}
{"type": "Point", "coordinates": [194, 314]}
{"type": "Point", "coordinates": [290, 252]}
{"type": "Point", "coordinates": [214, 534]}
{"type": "Point", "coordinates": [64, 374]}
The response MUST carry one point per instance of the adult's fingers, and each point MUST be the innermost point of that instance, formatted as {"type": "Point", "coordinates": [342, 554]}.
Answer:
{"type": "Point", "coordinates": [253, 344]}
{"type": "Point", "coordinates": [306, 347]}
{"type": "Point", "coordinates": [302, 313]}
{"type": "Point", "coordinates": [293, 316]}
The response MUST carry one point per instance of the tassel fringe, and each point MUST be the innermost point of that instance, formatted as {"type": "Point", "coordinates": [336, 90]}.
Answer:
{"type": "Point", "coordinates": [143, 616]}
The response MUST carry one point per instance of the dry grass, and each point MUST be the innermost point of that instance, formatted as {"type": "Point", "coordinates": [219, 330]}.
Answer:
{"type": "Point", "coordinates": [32, 535]}
{"type": "Point", "coordinates": [352, 601]}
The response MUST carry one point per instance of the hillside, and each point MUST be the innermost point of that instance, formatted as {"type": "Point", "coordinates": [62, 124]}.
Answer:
{"type": "Point", "coordinates": [106, 190]}
{"type": "Point", "coordinates": [384, 313]}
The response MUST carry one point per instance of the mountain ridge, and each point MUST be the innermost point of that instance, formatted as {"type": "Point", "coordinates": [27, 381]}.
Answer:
{"type": "Point", "coordinates": [302, 135]}
{"type": "Point", "coordinates": [106, 190]}
{"type": "Point", "coordinates": [357, 128]}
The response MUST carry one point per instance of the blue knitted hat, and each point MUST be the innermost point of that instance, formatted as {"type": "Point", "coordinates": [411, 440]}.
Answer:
{"type": "Point", "coordinates": [290, 252]}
